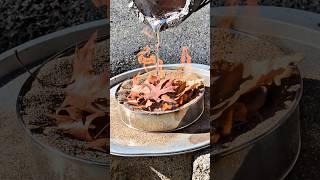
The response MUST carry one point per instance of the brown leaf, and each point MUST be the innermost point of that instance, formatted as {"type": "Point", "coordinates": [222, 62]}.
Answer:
{"type": "Point", "coordinates": [191, 86]}
{"type": "Point", "coordinates": [166, 106]}
{"type": "Point", "coordinates": [83, 113]}
{"type": "Point", "coordinates": [167, 99]}
{"type": "Point", "coordinates": [152, 79]}
{"type": "Point", "coordinates": [60, 119]}
{"type": "Point", "coordinates": [135, 80]}
{"type": "Point", "coordinates": [227, 120]}
{"type": "Point", "coordinates": [82, 64]}
{"type": "Point", "coordinates": [99, 144]}
{"type": "Point", "coordinates": [139, 89]}
{"type": "Point", "coordinates": [79, 129]}
{"type": "Point", "coordinates": [148, 104]}
{"type": "Point", "coordinates": [165, 86]}
{"type": "Point", "coordinates": [214, 138]}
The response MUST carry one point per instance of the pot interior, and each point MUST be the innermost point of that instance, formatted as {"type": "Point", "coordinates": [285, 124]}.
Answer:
{"type": "Point", "coordinates": [46, 85]}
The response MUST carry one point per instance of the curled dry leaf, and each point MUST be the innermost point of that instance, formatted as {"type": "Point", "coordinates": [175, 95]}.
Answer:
{"type": "Point", "coordinates": [238, 79]}
{"type": "Point", "coordinates": [83, 113]}
{"type": "Point", "coordinates": [240, 89]}
{"type": "Point", "coordinates": [99, 145]}
{"type": "Point", "coordinates": [163, 87]}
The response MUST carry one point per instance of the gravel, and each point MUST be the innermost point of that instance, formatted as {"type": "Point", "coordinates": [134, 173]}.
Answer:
{"type": "Point", "coordinates": [307, 166]}
{"type": "Point", "coordinates": [24, 20]}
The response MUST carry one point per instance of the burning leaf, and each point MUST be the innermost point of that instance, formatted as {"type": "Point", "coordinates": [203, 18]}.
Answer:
{"type": "Point", "coordinates": [159, 89]}
{"type": "Point", "coordinates": [185, 56]}
{"type": "Point", "coordinates": [146, 57]}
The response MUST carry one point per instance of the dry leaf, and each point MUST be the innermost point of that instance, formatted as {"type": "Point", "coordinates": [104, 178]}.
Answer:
{"type": "Point", "coordinates": [83, 113]}
{"type": "Point", "coordinates": [99, 144]}
{"type": "Point", "coordinates": [164, 86]}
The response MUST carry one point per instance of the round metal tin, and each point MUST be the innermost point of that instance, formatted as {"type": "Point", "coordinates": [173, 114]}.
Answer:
{"type": "Point", "coordinates": [163, 121]}
{"type": "Point", "coordinates": [125, 141]}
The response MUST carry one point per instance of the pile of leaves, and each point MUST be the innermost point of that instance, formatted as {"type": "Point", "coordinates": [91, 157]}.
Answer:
{"type": "Point", "coordinates": [240, 90]}
{"type": "Point", "coordinates": [84, 112]}
{"type": "Point", "coordinates": [152, 93]}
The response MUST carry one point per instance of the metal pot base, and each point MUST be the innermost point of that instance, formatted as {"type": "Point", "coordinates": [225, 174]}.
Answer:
{"type": "Point", "coordinates": [272, 157]}
{"type": "Point", "coordinates": [179, 128]}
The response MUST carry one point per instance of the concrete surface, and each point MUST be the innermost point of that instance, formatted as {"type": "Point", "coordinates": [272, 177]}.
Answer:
{"type": "Point", "coordinates": [201, 165]}
{"type": "Point", "coordinates": [164, 168]}
{"type": "Point", "coordinates": [307, 166]}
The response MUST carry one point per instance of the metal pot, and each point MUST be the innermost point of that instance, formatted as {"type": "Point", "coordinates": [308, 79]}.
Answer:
{"type": "Point", "coordinates": [273, 146]}
{"type": "Point", "coordinates": [48, 160]}
{"type": "Point", "coordinates": [269, 156]}
{"type": "Point", "coordinates": [164, 121]}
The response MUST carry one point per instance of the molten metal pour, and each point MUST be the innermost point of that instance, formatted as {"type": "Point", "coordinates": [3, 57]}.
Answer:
{"type": "Point", "coordinates": [162, 14]}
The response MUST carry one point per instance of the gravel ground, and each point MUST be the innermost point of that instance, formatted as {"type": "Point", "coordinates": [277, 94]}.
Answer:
{"type": "Point", "coordinates": [24, 20]}
{"type": "Point", "coordinates": [307, 5]}
{"type": "Point", "coordinates": [307, 166]}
